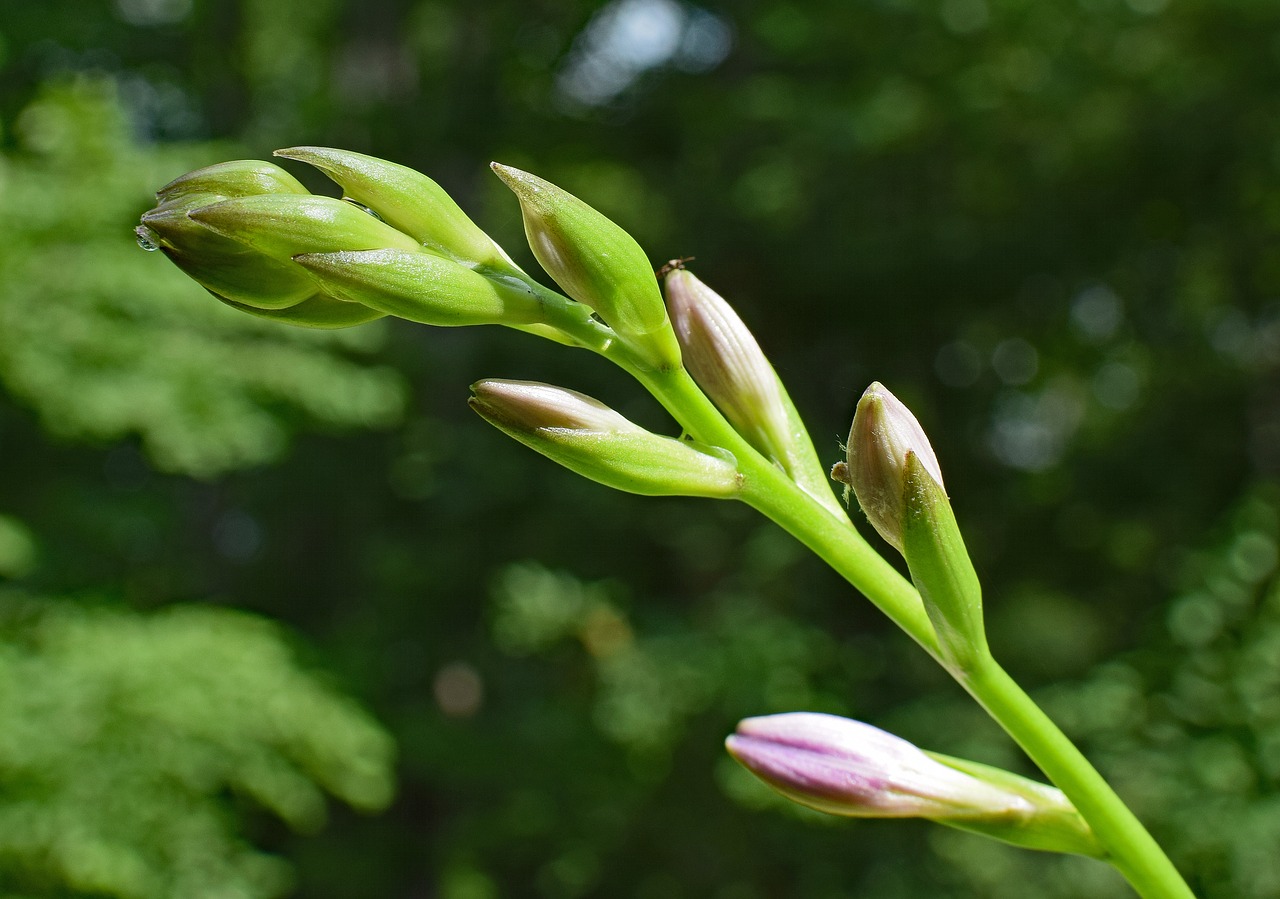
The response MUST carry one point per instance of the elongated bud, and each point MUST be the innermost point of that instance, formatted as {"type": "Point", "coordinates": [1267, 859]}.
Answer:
{"type": "Point", "coordinates": [422, 288]}
{"type": "Point", "coordinates": [237, 178]}
{"type": "Point", "coordinates": [596, 263]}
{"type": "Point", "coordinates": [281, 227]}
{"type": "Point", "coordinates": [848, 768]}
{"type": "Point", "coordinates": [728, 364]}
{"type": "Point", "coordinates": [408, 201]}
{"type": "Point", "coordinates": [883, 432]}
{"type": "Point", "coordinates": [941, 568]}
{"type": "Point", "coordinates": [588, 437]}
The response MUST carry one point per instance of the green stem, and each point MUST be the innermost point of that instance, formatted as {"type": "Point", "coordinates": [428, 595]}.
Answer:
{"type": "Point", "coordinates": [769, 490]}
{"type": "Point", "coordinates": [1133, 850]}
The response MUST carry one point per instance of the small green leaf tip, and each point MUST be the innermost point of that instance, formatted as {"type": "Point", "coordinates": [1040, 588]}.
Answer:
{"type": "Point", "coordinates": [884, 431]}
{"type": "Point", "coordinates": [589, 438]}
{"type": "Point", "coordinates": [596, 263]}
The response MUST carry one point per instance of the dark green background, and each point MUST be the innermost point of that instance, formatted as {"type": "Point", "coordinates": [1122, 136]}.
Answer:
{"type": "Point", "coordinates": [1050, 228]}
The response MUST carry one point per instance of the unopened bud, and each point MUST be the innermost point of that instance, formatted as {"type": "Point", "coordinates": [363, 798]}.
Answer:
{"type": "Point", "coordinates": [227, 268]}
{"type": "Point", "coordinates": [848, 768]}
{"type": "Point", "coordinates": [596, 263]}
{"type": "Point", "coordinates": [408, 201]}
{"type": "Point", "coordinates": [588, 437]}
{"type": "Point", "coordinates": [725, 360]}
{"type": "Point", "coordinates": [884, 431]}
{"type": "Point", "coordinates": [422, 288]}
{"type": "Point", "coordinates": [281, 227]}
{"type": "Point", "coordinates": [237, 178]}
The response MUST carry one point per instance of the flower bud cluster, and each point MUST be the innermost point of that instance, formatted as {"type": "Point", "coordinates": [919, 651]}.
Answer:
{"type": "Point", "coordinates": [395, 245]}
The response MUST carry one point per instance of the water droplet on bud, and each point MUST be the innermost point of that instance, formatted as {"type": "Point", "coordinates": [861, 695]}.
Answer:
{"type": "Point", "coordinates": [147, 239]}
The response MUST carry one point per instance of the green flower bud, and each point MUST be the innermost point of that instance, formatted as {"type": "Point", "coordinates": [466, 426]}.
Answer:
{"type": "Point", "coordinates": [588, 437]}
{"type": "Point", "coordinates": [238, 178]}
{"type": "Point", "coordinates": [884, 431]}
{"type": "Point", "coordinates": [226, 268]}
{"type": "Point", "coordinates": [408, 201]}
{"type": "Point", "coordinates": [724, 358]}
{"type": "Point", "coordinates": [422, 288]}
{"type": "Point", "coordinates": [596, 263]}
{"type": "Point", "coordinates": [281, 226]}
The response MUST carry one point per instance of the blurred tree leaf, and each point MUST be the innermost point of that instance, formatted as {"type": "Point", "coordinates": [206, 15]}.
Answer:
{"type": "Point", "coordinates": [104, 341]}
{"type": "Point", "coordinates": [122, 738]}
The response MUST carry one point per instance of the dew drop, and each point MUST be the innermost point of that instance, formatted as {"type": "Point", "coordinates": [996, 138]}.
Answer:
{"type": "Point", "coordinates": [147, 239]}
{"type": "Point", "coordinates": [362, 207]}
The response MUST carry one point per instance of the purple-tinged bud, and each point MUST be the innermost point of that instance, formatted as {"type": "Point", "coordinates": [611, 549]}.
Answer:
{"type": "Point", "coordinates": [884, 431]}
{"type": "Point", "coordinates": [849, 768]}
{"type": "Point", "coordinates": [588, 437]}
{"type": "Point", "coordinates": [725, 360]}
{"type": "Point", "coordinates": [728, 364]}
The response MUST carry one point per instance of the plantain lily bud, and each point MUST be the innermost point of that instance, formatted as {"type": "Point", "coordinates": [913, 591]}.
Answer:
{"type": "Point", "coordinates": [723, 357]}
{"type": "Point", "coordinates": [848, 768]}
{"type": "Point", "coordinates": [410, 202]}
{"type": "Point", "coordinates": [280, 226]}
{"type": "Point", "coordinates": [237, 178]}
{"type": "Point", "coordinates": [589, 438]}
{"type": "Point", "coordinates": [227, 268]}
{"type": "Point", "coordinates": [596, 263]}
{"type": "Point", "coordinates": [884, 431]}
{"type": "Point", "coordinates": [422, 288]}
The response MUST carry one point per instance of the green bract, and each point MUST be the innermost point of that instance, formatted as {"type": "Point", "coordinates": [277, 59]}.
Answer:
{"type": "Point", "coordinates": [940, 566]}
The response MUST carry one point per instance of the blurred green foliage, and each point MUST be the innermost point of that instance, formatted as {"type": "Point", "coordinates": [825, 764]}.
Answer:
{"type": "Point", "coordinates": [124, 736]}
{"type": "Point", "coordinates": [1049, 228]}
{"type": "Point", "coordinates": [128, 347]}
